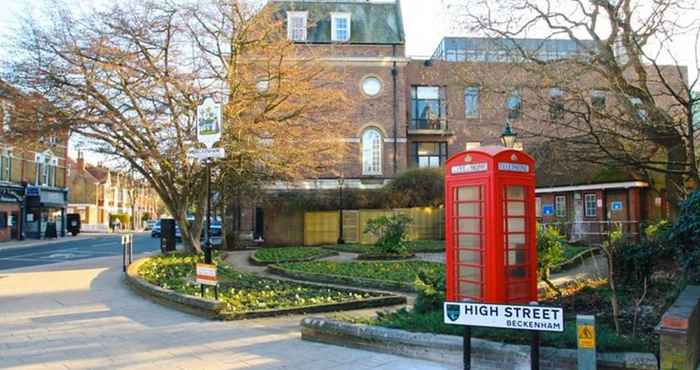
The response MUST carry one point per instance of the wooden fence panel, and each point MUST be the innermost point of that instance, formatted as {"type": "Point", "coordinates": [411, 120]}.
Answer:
{"type": "Point", "coordinates": [321, 227]}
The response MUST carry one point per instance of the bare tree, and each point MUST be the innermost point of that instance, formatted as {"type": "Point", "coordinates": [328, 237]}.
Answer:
{"type": "Point", "coordinates": [131, 76]}
{"type": "Point", "coordinates": [645, 125]}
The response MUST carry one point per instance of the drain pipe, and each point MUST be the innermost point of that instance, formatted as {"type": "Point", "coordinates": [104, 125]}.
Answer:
{"type": "Point", "coordinates": [394, 73]}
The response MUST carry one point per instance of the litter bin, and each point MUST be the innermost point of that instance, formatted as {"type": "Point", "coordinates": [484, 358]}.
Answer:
{"type": "Point", "coordinates": [167, 235]}
{"type": "Point", "coordinates": [73, 220]}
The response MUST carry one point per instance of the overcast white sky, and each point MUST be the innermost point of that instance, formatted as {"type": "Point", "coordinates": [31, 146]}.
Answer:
{"type": "Point", "coordinates": [425, 23]}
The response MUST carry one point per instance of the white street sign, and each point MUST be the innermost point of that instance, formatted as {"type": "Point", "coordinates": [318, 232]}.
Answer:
{"type": "Point", "coordinates": [504, 316]}
{"type": "Point", "coordinates": [203, 154]}
{"type": "Point", "coordinates": [209, 123]}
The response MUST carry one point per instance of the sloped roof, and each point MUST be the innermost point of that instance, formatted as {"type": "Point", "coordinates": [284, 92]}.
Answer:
{"type": "Point", "coordinates": [371, 22]}
{"type": "Point", "coordinates": [99, 173]}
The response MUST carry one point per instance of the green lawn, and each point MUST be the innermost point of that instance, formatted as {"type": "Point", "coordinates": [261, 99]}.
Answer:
{"type": "Point", "coordinates": [290, 254]}
{"type": "Point", "coordinates": [398, 271]}
{"type": "Point", "coordinates": [244, 292]}
{"type": "Point", "coordinates": [416, 246]}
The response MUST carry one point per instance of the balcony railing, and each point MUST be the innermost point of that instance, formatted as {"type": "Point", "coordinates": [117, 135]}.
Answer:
{"type": "Point", "coordinates": [428, 125]}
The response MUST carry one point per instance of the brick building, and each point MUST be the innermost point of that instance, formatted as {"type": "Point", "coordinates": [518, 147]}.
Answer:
{"type": "Point", "coordinates": [416, 113]}
{"type": "Point", "coordinates": [101, 195]}
{"type": "Point", "coordinates": [33, 193]}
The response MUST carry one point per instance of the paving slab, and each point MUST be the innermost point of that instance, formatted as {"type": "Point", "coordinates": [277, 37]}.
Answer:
{"type": "Point", "coordinates": [80, 315]}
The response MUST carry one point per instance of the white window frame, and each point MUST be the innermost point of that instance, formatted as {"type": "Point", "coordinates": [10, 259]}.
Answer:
{"type": "Point", "coordinates": [594, 198]}
{"type": "Point", "coordinates": [467, 91]}
{"type": "Point", "coordinates": [560, 205]}
{"type": "Point", "coordinates": [372, 144]}
{"type": "Point", "coordinates": [538, 207]}
{"type": "Point", "coordinates": [291, 31]}
{"type": "Point", "coordinates": [334, 26]}
{"type": "Point", "coordinates": [6, 116]}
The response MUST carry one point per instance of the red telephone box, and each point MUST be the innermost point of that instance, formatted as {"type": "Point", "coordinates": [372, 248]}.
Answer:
{"type": "Point", "coordinates": [491, 251]}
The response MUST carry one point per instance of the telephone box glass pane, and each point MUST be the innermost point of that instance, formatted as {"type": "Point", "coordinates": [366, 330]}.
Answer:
{"type": "Point", "coordinates": [516, 225]}
{"type": "Point", "coordinates": [469, 241]}
{"type": "Point", "coordinates": [469, 225]}
{"type": "Point", "coordinates": [516, 257]}
{"type": "Point", "coordinates": [516, 209]}
{"type": "Point", "coordinates": [469, 273]}
{"type": "Point", "coordinates": [518, 272]}
{"type": "Point", "coordinates": [516, 241]}
{"type": "Point", "coordinates": [467, 193]}
{"type": "Point", "coordinates": [518, 290]}
{"type": "Point", "coordinates": [515, 192]}
{"type": "Point", "coordinates": [469, 290]}
{"type": "Point", "coordinates": [469, 210]}
{"type": "Point", "coordinates": [470, 257]}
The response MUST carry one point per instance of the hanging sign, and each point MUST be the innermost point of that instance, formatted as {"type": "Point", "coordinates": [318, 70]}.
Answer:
{"type": "Point", "coordinates": [209, 123]}
{"type": "Point", "coordinates": [206, 274]}
{"type": "Point", "coordinates": [538, 318]}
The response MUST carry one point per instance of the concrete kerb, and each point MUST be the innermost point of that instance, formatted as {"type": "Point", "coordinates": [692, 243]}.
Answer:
{"type": "Point", "coordinates": [214, 309]}
{"type": "Point", "coordinates": [448, 349]}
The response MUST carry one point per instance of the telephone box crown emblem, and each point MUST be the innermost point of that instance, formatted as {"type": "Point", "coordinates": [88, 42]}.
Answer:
{"type": "Point", "coordinates": [467, 158]}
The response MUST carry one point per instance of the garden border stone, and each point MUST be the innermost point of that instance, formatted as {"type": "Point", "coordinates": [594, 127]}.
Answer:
{"type": "Point", "coordinates": [342, 280]}
{"type": "Point", "coordinates": [327, 253]}
{"type": "Point", "coordinates": [448, 349]}
{"type": "Point", "coordinates": [384, 257]}
{"type": "Point", "coordinates": [213, 309]}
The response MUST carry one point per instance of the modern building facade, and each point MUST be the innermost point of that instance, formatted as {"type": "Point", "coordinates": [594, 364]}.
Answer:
{"type": "Point", "coordinates": [416, 113]}
{"type": "Point", "coordinates": [33, 193]}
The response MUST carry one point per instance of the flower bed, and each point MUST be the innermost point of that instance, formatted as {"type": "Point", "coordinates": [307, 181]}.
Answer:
{"type": "Point", "coordinates": [266, 256]}
{"type": "Point", "coordinates": [242, 294]}
{"type": "Point", "coordinates": [415, 246]}
{"type": "Point", "coordinates": [397, 275]}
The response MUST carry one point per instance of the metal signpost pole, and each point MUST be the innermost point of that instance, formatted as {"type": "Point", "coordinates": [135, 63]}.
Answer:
{"type": "Point", "coordinates": [207, 246]}
{"type": "Point", "coordinates": [535, 347]}
{"type": "Point", "coordinates": [467, 344]}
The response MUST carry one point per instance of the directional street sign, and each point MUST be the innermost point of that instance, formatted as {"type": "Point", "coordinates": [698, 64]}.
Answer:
{"type": "Point", "coordinates": [203, 154]}
{"type": "Point", "coordinates": [505, 316]}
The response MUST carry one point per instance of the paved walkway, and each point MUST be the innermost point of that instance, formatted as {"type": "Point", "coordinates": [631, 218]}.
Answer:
{"type": "Point", "coordinates": [79, 315]}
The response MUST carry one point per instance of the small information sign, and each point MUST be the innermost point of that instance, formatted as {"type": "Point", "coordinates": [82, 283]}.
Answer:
{"type": "Point", "coordinates": [548, 209]}
{"type": "Point", "coordinates": [206, 274]}
{"type": "Point", "coordinates": [469, 168]}
{"type": "Point", "coordinates": [203, 154]}
{"type": "Point", "coordinates": [585, 335]}
{"type": "Point", "coordinates": [505, 316]}
{"type": "Point", "coordinates": [513, 167]}
{"type": "Point", "coordinates": [616, 206]}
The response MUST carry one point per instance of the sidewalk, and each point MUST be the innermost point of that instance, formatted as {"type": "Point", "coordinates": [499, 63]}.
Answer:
{"type": "Point", "coordinates": [79, 315]}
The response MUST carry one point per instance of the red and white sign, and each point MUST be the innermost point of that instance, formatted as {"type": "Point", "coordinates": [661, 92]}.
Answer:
{"type": "Point", "coordinates": [206, 274]}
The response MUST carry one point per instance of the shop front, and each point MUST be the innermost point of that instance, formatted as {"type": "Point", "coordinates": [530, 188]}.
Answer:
{"type": "Point", "coordinates": [11, 198]}
{"type": "Point", "coordinates": [45, 212]}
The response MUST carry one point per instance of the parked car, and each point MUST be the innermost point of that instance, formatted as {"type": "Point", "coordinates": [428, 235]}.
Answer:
{"type": "Point", "coordinates": [155, 230]}
{"type": "Point", "coordinates": [148, 225]}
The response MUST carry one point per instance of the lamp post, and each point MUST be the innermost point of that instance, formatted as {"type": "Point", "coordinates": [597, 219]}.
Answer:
{"type": "Point", "coordinates": [508, 137]}
{"type": "Point", "coordinates": [341, 182]}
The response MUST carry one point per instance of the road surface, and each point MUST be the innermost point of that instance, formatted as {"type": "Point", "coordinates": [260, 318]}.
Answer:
{"type": "Point", "coordinates": [74, 249]}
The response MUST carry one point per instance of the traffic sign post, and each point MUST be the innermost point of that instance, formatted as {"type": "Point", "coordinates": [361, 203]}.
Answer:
{"type": "Point", "coordinates": [531, 317]}
{"type": "Point", "coordinates": [585, 335]}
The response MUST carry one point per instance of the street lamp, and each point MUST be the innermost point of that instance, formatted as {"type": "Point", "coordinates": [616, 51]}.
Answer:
{"type": "Point", "coordinates": [341, 182]}
{"type": "Point", "coordinates": [508, 137]}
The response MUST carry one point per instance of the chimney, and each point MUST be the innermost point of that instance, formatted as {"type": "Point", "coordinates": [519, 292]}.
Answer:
{"type": "Point", "coordinates": [81, 161]}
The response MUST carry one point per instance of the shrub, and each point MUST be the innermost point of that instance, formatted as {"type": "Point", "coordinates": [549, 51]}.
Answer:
{"type": "Point", "coordinates": [431, 291]}
{"type": "Point", "coordinates": [418, 187]}
{"type": "Point", "coordinates": [391, 233]}
{"type": "Point", "coordinates": [685, 233]}
{"type": "Point", "coordinates": [637, 262]}
{"type": "Point", "coordinates": [550, 252]}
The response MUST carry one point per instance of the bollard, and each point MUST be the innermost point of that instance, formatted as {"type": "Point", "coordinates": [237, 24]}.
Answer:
{"type": "Point", "coordinates": [585, 335]}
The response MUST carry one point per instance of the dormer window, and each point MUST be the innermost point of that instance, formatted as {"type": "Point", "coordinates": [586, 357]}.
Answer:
{"type": "Point", "coordinates": [340, 26]}
{"type": "Point", "coordinates": [296, 26]}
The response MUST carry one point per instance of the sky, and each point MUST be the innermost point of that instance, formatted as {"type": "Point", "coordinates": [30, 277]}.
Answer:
{"type": "Point", "coordinates": [426, 22]}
